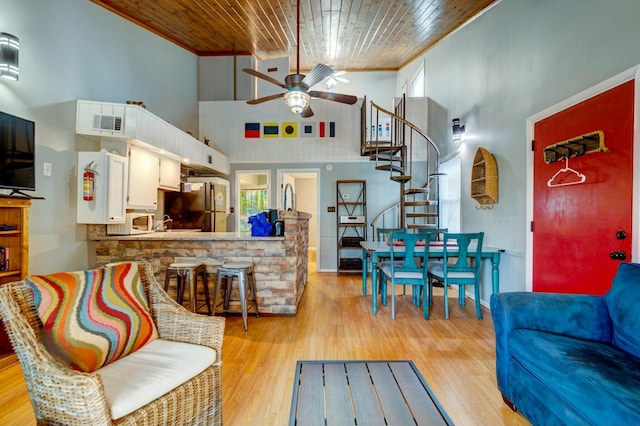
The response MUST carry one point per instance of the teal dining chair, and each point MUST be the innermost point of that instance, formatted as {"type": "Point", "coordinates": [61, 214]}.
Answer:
{"type": "Point", "coordinates": [461, 268]}
{"type": "Point", "coordinates": [407, 271]}
{"type": "Point", "coordinates": [383, 234]}
{"type": "Point", "coordinates": [435, 234]}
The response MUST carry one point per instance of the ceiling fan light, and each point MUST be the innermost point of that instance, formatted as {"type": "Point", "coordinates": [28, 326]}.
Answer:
{"type": "Point", "coordinates": [297, 101]}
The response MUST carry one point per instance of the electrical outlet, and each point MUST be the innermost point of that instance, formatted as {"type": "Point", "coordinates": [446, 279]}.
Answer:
{"type": "Point", "coordinates": [47, 169]}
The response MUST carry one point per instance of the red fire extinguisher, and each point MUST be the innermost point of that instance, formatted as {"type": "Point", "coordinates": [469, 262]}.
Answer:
{"type": "Point", "coordinates": [87, 183]}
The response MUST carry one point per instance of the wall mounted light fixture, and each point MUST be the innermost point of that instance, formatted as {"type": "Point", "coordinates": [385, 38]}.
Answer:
{"type": "Point", "coordinates": [9, 48]}
{"type": "Point", "coordinates": [457, 130]}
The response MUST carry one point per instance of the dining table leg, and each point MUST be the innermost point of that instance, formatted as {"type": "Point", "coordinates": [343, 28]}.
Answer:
{"type": "Point", "coordinates": [495, 272]}
{"type": "Point", "coordinates": [374, 282]}
{"type": "Point", "coordinates": [365, 255]}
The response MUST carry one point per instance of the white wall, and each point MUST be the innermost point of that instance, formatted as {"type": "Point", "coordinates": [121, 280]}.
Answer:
{"type": "Point", "coordinates": [74, 49]}
{"type": "Point", "coordinates": [306, 196]}
{"type": "Point", "coordinates": [216, 78]}
{"type": "Point", "coordinates": [223, 122]}
{"type": "Point", "coordinates": [517, 59]}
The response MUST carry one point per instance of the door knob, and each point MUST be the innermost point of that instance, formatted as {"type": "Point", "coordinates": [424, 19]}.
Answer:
{"type": "Point", "coordinates": [621, 235]}
{"type": "Point", "coordinates": [618, 255]}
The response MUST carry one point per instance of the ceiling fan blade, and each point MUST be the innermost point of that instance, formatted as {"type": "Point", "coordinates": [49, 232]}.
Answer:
{"type": "Point", "coordinates": [265, 99]}
{"type": "Point", "coordinates": [336, 97]}
{"type": "Point", "coordinates": [264, 77]}
{"type": "Point", "coordinates": [317, 74]}
{"type": "Point", "coordinates": [307, 112]}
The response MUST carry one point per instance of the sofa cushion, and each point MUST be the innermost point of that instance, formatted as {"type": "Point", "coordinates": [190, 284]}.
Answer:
{"type": "Point", "coordinates": [624, 309]}
{"type": "Point", "coordinates": [93, 317]}
{"type": "Point", "coordinates": [150, 372]}
{"type": "Point", "coordinates": [599, 380]}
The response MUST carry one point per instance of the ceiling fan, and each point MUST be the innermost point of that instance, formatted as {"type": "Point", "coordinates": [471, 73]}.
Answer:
{"type": "Point", "coordinates": [336, 78]}
{"type": "Point", "coordinates": [298, 94]}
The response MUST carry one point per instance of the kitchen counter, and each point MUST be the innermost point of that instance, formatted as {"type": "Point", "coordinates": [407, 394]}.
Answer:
{"type": "Point", "coordinates": [281, 262]}
{"type": "Point", "coordinates": [183, 235]}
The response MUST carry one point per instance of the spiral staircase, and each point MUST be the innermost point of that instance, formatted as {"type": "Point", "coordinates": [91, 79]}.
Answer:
{"type": "Point", "coordinates": [395, 151]}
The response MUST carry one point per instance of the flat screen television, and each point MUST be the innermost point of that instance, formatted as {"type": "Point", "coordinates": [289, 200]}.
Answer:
{"type": "Point", "coordinates": [17, 154]}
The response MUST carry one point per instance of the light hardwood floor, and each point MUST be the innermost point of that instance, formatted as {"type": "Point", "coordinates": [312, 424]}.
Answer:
{"type": "Point", "coordinates": [334, 322]}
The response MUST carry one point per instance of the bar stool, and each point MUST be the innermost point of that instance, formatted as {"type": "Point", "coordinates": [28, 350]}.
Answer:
{"type": "Point", "coordinates": [212, 266]}
{"type": "Point", "coordinates": [187, 273]}
{"type": "Point", "coordinates": [243, 272]}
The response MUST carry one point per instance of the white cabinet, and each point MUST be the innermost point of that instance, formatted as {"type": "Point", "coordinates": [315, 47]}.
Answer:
{"type": "Point", "coordinates": [109, 188]}
{"type": "Point", "coordinates": [169, 174]}
{"type": "Point", "coordinates": [137, 126]}
{"type": "Point", "coordinates": [144, 172]}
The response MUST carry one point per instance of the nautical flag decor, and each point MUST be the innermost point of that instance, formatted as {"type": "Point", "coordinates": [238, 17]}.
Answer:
{"type": "Point", "coordinates": [327, 129]}
{"type": "Point", "coordinates": [251, 130]}
{"type": "Point", "coordinates": [290, 130]}
{"type": "Point", "coordinates": [270, 130]}
{"type": "Point", "coordinates": [308, 130]}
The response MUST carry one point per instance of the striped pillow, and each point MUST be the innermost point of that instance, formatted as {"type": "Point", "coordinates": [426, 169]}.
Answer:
{"type": "Point", "coordinates": [92, 318]}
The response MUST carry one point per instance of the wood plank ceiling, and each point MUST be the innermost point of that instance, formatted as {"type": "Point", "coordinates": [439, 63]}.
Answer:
{"type": "Point", "coordinates": [346, 34]}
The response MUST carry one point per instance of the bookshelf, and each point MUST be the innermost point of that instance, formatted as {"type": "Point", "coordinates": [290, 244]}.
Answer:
{"type": "Point", "coordinates": [14, 213]}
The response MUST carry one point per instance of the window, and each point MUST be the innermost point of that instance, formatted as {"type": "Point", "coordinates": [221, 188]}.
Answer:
{"type": "Point", "coordinates": [253, 196]}
{"type": "Point", "coordinates": [449, 190]}
{"type": "Point", "coordinates": [252, 201]}
{"type": "Point", "coordinates": [417, 83]}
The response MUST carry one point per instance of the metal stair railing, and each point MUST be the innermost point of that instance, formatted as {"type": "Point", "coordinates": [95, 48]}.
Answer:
{"type": "Point", "coordinates": [396, 156]}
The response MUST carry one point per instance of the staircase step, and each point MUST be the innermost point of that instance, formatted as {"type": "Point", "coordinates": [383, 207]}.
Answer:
{"type": "Point", "coordinates": [422, 226]}
{"type": "Point", "coordinates": [417, 203]}
{"type": "Point", "coordinates": [384, 157]}
{"type": "Point", "coordinates": [401, 178]}
{"type": "Point", "coordinates": [370, 149]}
{"type": "Point", "coordinates": [421, 203]}
{"type": "Point", "coordinates": [391, 167]}
{"type": "Point", "coordinates": [410, 191]}
{"type": "Point", "coordinates": [421, 215]}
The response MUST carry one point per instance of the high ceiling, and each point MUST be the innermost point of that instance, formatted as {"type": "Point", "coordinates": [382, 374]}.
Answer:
{"type": "Point", "coordinates": [346, 34]}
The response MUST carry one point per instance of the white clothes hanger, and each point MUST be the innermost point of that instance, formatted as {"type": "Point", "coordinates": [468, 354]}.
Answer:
{"type": "Point", "coordinates": [566, 169]}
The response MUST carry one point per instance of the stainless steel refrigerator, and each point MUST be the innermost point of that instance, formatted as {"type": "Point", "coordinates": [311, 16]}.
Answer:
{"type": "Point", "coordinates": [202, 203]}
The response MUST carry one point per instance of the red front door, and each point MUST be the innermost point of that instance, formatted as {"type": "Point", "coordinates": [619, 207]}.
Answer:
{"type": "Point", "coordinates": [576, 227]}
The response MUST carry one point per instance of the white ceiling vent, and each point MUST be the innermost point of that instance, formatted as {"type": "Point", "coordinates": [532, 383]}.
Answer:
{"type": "Point", "coordinates": [107, 122]}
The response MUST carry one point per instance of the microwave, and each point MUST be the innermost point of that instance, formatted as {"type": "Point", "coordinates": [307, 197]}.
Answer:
{"type": "Point", "coordinates": [134, 223]}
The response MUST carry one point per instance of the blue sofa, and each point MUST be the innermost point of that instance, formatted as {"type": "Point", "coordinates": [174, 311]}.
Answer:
{"type": "Point", "coordinates": [566, 359]}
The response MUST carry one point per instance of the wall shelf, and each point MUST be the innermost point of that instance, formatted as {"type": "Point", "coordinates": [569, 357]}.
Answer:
{"type": "Point", "coordinates": [484, 178]}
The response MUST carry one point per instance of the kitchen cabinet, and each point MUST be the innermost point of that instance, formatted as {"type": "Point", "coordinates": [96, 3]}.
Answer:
{"type": "Point", "coordinates": [351, 201]}
{"type": "Point", "coordinates": [137, 126]}
{"type": "Point", "coordinates": [108, 203]}
{"type": "Point", "coordinates": [144, 174]}
{"type": "Point", "coordinates": [14, 213]}
{"type": "Point", "coordinates": [169, 174]}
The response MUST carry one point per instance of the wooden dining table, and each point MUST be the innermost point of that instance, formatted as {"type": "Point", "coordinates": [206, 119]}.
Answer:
{"type": "Point", "coordinates": [373, 251]}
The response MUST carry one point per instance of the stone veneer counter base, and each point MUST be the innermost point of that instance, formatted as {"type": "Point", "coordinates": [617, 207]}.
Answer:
{"type": "Point", "coordinates": [281, 262]}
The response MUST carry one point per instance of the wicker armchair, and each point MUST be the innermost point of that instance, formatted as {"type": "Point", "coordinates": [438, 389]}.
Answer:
{"type": "Point", "coordinates": [60, 395]}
